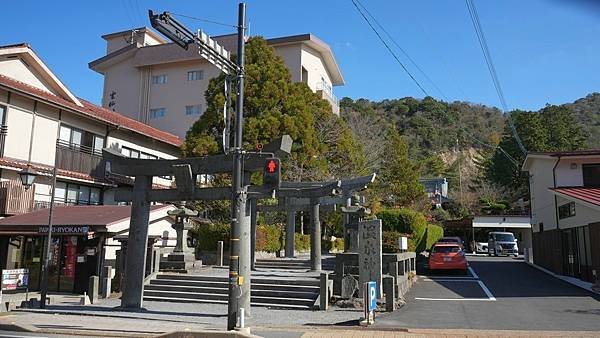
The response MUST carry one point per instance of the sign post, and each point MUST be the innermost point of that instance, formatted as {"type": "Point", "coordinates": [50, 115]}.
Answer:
{"type": "Point", "coordinates": [370, 302]}
{"type": "Point", "coordinates": [15, 279]}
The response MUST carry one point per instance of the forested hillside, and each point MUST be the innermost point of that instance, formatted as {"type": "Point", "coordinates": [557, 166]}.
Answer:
{"type": "Point", "coordinates": [458, 140]}
{"type": "Point", "coordinates": [587, 111]}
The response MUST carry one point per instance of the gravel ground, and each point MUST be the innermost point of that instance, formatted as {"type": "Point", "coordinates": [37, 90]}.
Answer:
{"type": "Point", "coordinates": [209, 315]}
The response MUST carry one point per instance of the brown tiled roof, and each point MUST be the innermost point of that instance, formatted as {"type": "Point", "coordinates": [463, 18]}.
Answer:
{"type": "Point", "coordinates": [88, 215]}
{"type": "Point", "coordinates": [18, 164]}
{"type": "Point", "coordinates": [93, 111]}
{"type": "Point", "coordinates": [111, 179]}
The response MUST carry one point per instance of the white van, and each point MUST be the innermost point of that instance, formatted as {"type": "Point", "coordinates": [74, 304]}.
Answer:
{"type": "Point", "coordinates": [502, 243]}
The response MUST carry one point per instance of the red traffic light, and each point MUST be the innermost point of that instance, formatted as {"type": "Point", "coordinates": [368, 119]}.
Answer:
{"type": "Point", "coordinates": [271, 166]}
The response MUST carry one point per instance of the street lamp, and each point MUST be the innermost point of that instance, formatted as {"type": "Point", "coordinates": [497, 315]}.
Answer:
{"type": "Point", "coordinates": [27, 176]}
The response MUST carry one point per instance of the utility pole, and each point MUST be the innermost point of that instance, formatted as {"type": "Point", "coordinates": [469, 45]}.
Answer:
{"type": "Point", "coordinates": [239, 262]}
{"type": "Point", "coordinates": [239, 198]}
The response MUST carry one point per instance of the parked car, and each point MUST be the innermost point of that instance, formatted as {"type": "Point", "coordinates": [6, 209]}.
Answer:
{"type": "Point", "coordinates": [481, 247]}
{"type": "Point", "coordinates": [455, 240]}
{"type": "Point", "coordinates": [447, 256]}
{"type": "Point", "coordinates": [502, 243]}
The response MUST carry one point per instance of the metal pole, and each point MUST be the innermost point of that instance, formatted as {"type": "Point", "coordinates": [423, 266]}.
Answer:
{"type": "Point", "coordinates": [239, 194]}
{"type": "Point", "coordinates": [253, 220]}
{"type": "Point", "coordinates": [46, 266]}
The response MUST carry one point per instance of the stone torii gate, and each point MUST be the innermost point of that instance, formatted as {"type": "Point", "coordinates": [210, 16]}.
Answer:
{"type": "Point", "coordinates": [184, 171]}
{"type": "Point", "coordinates": [299, 202]}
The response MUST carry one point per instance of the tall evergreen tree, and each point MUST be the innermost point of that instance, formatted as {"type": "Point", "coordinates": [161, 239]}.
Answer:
{"type": "Point", "coordinates": [399, 175]}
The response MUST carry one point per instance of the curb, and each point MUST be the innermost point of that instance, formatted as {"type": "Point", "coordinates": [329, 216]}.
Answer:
{"type": "Point", "coordinates": [589, 289]}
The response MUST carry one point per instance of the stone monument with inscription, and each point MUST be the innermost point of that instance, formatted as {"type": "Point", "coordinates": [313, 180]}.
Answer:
{"type": "Point", "coordinates": [369, 254]}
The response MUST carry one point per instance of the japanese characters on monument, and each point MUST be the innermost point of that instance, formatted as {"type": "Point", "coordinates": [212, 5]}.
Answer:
{"type": "Point", "coordinates": [369, 253]}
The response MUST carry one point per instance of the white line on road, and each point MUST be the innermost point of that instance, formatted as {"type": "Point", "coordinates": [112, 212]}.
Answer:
{"type": "Point", "coordinates": [473, 272]}
{"type": "Point", "coordinates": [449, 280]}
{"type": "Point", "coordinates": [487, 291]}
{"type": "Point", "coordinates": [461, 299]}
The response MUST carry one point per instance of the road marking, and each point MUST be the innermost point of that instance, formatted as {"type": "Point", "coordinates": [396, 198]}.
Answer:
{"type": "Point", "coordinates": [449, 280]}
{"type": "Point", "coordinates": [487, 291]}
{"type": "Point", "coordinates": [473, 272]}
{"type": "Point", "coordinates": [460, 299]}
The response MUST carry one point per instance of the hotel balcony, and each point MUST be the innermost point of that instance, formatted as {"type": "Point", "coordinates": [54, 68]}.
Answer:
{"type": "Point", "coordinates": [325, 91]}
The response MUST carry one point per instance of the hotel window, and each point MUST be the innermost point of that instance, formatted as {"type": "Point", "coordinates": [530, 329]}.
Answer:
{"type": "Point", "coordinates": [195, 75]}
{"type": "Point", "coordinates": [591, 175]}
{"type": "Point", "coordinates": [159, 79]}
{"type": "Point", "coordinates": [68, 193]}
{"type": "Point", "coordinates": [157, 113]}
{"type": "Point", "coordinates": [566, 210]}
{"type": "Point", "coordinates": [3, 115]}
{"type": "Point", "coordinates": [81, 140]}
{"type": "Point", "coordinates": [193, 109]}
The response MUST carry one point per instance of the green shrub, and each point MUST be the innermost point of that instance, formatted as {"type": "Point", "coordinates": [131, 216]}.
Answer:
{"type": "Point", "coordinates": [335, 245]}
{"type": "Point", "coordinates": [210, 234]}
{"type": "Point", "coordinates": [406, 221]}
{"type": "Point", "coordinates": [434, 233]}
{"type": "Point", "coordinates": [301, 242]}
{"type": "Point", "coordinates": [401, 220]}
{"type": "Point", "coordinates": [268, 238]}
{"type": "Point", "coordinates": [389, 241]}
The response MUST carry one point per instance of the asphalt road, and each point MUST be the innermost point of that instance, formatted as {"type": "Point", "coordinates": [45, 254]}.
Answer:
{"type": "Point", "coordinates": [500, 293]}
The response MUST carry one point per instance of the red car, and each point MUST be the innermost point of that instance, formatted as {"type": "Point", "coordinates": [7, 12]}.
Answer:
{"type": "Point", "coordinates": [447, 256]}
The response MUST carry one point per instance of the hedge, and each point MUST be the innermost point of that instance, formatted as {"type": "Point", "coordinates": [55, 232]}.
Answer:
{"type": "Point", "coordinates": [421, 235]}
{"type": "Point", "coordinates": [335, 245]}
{"type": "Point", "coordinates": [301, 242]}
{"type": "Point", "coordinates": [269, 238]}
{"type": "Point", "coordinates": [434, 233]}
{"type": "Point", "coordinates": [210, 234]}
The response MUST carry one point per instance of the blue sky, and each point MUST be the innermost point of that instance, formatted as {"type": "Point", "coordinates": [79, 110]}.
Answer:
{"type": "Point", "coordinates": [545, 51]}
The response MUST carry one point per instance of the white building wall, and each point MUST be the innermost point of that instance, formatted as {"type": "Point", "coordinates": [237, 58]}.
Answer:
{"type": "Point", "coordinates": [17, 69]}
{"type": "Point", "coordinates": [583, 215]}
{"type": "Point", "coordinates": [569, 172]}
{"type": "Point", "coordinates": [18, 135]}
{"type": "Point", "coordinates": [542, 201]}
{"type": "Point", "coordinates": [46, 130]}
{"type": "Point", "coordinates": [160, 225]}
{"type": "Point", "coordinates": [313, 63]}
{"type": "Point", "coordinates": [292, 57]}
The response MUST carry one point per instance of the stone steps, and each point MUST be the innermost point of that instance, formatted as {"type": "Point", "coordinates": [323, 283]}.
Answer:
{"type": "Point", "coordinates": [282, 292]}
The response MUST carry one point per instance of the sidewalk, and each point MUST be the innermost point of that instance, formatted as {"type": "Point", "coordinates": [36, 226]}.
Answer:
{"type": "Point", "coordinates": [571, 280]}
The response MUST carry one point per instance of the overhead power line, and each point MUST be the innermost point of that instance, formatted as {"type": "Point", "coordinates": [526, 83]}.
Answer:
{"type": "Point", "coordinates": [412, 61]}
{"type": "Point", "coordinates": [388, 48]}
{"type": "Point", "coordinates": [492, 70]}
{"type": "Point", "coordinates": [205, 20]}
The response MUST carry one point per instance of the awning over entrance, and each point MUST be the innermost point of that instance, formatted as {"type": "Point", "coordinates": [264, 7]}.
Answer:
{"type": "Point", "coordinates": [512, 222]}
{"type": "Point", "coordinates": [588, 196]}
{"type": "Point", "coordinates": [69, 220]}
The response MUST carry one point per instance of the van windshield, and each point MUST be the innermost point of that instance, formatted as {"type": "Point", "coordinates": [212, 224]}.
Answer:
{"type": "Point", "coordinates": [505, 237]}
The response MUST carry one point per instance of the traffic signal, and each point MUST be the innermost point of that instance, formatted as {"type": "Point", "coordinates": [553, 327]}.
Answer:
{"type": "Point", "coordinates": [272, 173]}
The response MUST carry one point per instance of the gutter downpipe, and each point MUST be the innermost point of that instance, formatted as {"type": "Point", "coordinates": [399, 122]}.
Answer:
{"type": "Point", "coordinates": [556, 209]}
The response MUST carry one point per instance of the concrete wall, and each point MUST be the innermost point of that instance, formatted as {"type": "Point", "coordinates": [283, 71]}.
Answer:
{"type": "Point", "coordinates": [124, 79]}
{"type": "Point", "coordinates": [178, 93]}
{"type": "Point", "coordinates": [136, 95]}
